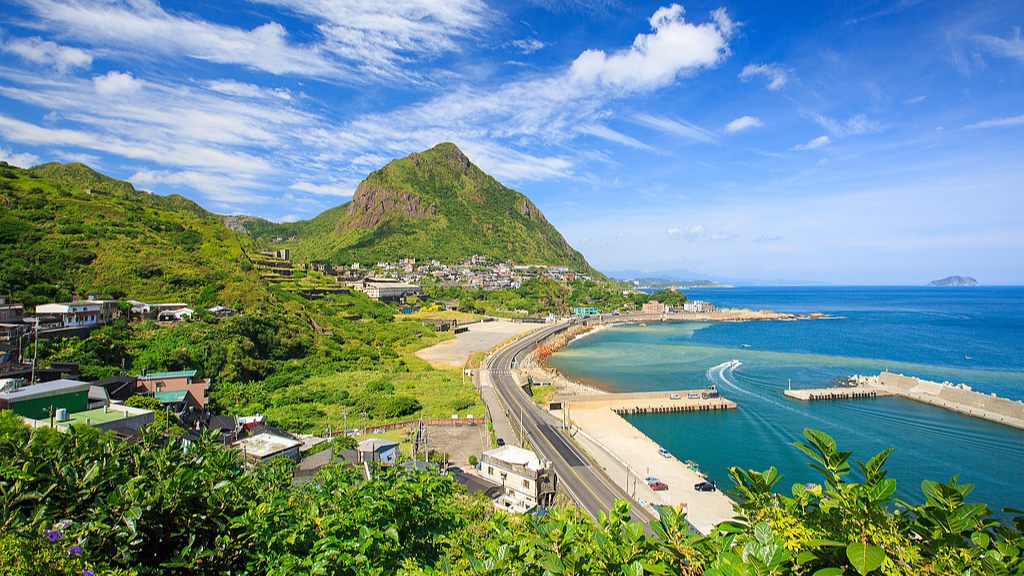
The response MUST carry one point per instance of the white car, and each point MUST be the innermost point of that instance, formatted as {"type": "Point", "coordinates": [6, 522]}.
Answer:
{"type": "Point", "coordinates": [651, 480]}
{"type": "Point", "coordinates": [664, 453]}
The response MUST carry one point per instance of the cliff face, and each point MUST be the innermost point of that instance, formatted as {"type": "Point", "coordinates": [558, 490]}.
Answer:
{"type": "Point", "coordinates": [371, 205]}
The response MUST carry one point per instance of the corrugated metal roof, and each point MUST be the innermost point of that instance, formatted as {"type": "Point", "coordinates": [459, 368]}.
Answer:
{"type": "Point", "coordinates": [171, 396]}
{"type": "Point", "coordinates": [46, 389]}
{"type": "Point", "coordinates": [178, 374]}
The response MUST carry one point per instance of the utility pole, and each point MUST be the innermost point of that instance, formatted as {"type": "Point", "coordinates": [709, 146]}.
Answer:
{"type": "Point", "coordinates": [35, 356]}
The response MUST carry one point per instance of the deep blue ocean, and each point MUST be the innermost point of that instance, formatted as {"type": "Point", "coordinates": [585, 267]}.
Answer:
{"type": "Point", "coordinates": [961, 335]}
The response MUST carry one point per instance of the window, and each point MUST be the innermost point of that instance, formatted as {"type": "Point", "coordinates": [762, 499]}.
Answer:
{"type": "Point", "coordinates": [490, 470]}
{"type": "Point", "coordinates": [526, 484]}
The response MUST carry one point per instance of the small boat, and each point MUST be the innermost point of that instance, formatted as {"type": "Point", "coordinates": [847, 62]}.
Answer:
{"type": "Point", "coordinates": [968, 358]}
{"type": "Point", "coordinates": [642, 325]}
{"type": "Point", "coordinates": [744, 345]}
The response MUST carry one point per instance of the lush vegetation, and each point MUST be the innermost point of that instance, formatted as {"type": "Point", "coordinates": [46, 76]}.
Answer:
{"type": "Point", "coordinates": [475, 214]}
{"type": "Point", "coordinates": [538, 297]}
{"type": "Point", "coordinates": [56, 239]}
{"type": "Point", "coordinates": [80, 502]}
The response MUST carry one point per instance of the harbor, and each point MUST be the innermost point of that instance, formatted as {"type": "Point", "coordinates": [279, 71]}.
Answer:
{"type": "Point", "coordinates": [958, 398]}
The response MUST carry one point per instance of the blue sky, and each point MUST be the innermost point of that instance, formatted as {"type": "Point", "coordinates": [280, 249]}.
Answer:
{"type": "Point", "coordinates": [854, 143]}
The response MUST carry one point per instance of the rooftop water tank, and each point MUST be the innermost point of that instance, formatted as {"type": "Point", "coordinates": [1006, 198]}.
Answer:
{"type": "Point", "coordinates": [62, 414]}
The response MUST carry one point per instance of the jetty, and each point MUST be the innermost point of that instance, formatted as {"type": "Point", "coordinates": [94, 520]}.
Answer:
{"type": "Point", "coordinates": [955, 397]}
{"type": "Point", "coordinates": [836, 393]}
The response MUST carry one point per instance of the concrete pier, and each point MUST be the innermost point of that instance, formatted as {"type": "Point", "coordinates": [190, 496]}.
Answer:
{"type": "Point", "coordinates": [836, 393]}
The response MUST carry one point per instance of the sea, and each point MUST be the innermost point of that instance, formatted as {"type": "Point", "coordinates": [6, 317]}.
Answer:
{"type": "Point", "coordinates": [972, 335]}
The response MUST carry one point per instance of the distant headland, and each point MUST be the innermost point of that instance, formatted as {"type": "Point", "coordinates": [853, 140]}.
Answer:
{"type": "Point", "coordinates": [954, 281]}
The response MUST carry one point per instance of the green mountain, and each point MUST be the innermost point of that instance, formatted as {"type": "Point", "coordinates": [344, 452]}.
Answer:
{"type": "Point", "coordinates": [66, 228]}
{"type": "Point", "coordinates": [80, 176]}
{"type": "Point", "coordinates": [433, 204]}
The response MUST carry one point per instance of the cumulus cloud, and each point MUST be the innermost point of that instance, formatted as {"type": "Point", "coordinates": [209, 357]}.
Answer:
{"type": "Point", "coordinates": [698, 234]}
{"type": "Point", "coordinates": [675, 48]}
{"type": "Point", "coordinates": [114, 82]}
{"type": "Point", "coordinates": [999, 122]}
{"type": "Point", "coordinates": [1012, 48]}
{"type": "Point", "coordinates": [678, 128]}
{"type": "Point", "coordinates": [47, 53]}
{"type": "Point", "coordinates": [777, 75]}
{"type": "Point", "coordinates": [816, 143]}
{"type": "Point", "coordinates": [743, 123]}
{"type": "Point", "coordinates": [21, 160]}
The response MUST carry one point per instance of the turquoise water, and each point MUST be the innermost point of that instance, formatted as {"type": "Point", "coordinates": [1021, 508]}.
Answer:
{"type": "Point", "coordinates": [974, 336]}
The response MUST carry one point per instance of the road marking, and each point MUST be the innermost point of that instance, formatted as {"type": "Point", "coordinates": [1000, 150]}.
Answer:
{"type": "Point", "coordinates": [553, 449]}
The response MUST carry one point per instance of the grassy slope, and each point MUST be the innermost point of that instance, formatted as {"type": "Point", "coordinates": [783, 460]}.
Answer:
{"type": "Point", "coordinates": [475, 215]}
{"type": "Point", "coordinates": [56, 234]}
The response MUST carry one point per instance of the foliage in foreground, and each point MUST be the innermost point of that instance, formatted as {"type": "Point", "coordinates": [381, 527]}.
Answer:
{"type": "Point", "coordinates": [155, 508]}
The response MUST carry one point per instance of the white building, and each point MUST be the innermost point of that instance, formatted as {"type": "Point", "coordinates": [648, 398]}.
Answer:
{"type": "Point", "coordinates": [80, 313]}
{"type": "Point", "coordinates": [698, 306]}
{"type": "Point", "coordinates": [526, 481]}
{"type": "Point", "coordinates": [263, 447]}
{"type": "Point", "coordinates": [387, 288]}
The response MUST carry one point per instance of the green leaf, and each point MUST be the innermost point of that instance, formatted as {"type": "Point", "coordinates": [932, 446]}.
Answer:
{"type": "Point", "coordinates": [980, 539]}
{"type": "Point", "coordinates": [863, 557]}
{"type": "Point", "coordinates": [763, 533]}
{"type": "Point", "coordinates": [830, 572]}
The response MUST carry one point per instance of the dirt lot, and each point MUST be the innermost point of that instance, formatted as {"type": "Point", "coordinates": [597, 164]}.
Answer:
{"type": "Point", "coordinates": [480, 337]}
{"type": "Point", "coordinates": [459, 442]}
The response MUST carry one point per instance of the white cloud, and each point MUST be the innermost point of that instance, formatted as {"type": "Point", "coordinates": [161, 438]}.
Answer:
{"type": "Point", "coordinates": [698, 234]}
{"type": "Point", "coordinates": [766, 238]}
{"type": "Point", "coordinates": [290, 218]}
{"type": "Point", "coordinates": [816, 143]}
{"type": "Point", "coordinates": [1012, 48]}
{"type": "Point", "coordinates": [675, 48]}
{"type": "Point", "coordinates": [114, 82]}
{"type": "Point", "coordinates": [21, 160]}
{"type": "Point", "coordinates": [743, 123]}
{"type": "Point", "coordinates": [777, 75]}
{"type": "Point", "coordinates": [856, 126]}
{"type": "Point", "coordinates": [323, 189]}
{"type": "Point", "coordinates": [999, 122]}
{"type": "Point", "coordinates": [358, 38]}
{"type": "Point", "coordinates": [915, 100]}
{"type": "Point", "coordinates": [612, 135]}
{"type": "Point", "coordinates": [47, 53]}
{"type": "Point", "coordinates": [678, 128]}
{"type": "Point", "coordinates": [528, 45]}
{"type": "Point", "coordinates": [225, 189]}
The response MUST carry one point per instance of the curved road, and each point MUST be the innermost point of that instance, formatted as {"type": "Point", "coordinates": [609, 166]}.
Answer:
{"type": "Point", "coordinates": [576, 471]}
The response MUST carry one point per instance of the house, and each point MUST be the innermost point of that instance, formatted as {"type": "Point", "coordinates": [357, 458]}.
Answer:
{"type": "Point", "coordinates": [262, 447]}
{"type": "Point", "coordinates": [73, 314]}
{"type": "Point", "coordinates": [386, 288]}
{"type": "Point", "coordinates": [526, 481]}
{"type": "Point", "coordinates": [119, 388]}
{"type": "Point", "coordinates": [199, 388]}
{"type": "Point", "coordinates": [584, 311]}
{"type": "Point", "coordinates": [221, 311]}
{"type": "Point", "coordinates": [653, 307]}
{"type": "Point", "coordinates": [10, 312]}
{"type": "Point", "coordinates": [698, 306]}
{"type": "Point", "coordinates": [175, 315]}
{"type": "Point", "coordinates": [41, 401]}
{"type": "Point", "coordinates": [379, 450]}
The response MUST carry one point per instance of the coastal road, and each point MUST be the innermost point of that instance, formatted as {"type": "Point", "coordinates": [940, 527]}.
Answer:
{"type": "Point", "coordinates": [577, 473]}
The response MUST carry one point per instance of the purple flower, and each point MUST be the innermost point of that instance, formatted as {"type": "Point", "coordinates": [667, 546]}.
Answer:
{"type": "Point", "coordinates": [87, 572]}
{"type": "Point", "coordinates": [63, 524]}
{"type": "Point", "coordinates": [53, 535]}
{"type": "Point", "coordinates": [74, 551]}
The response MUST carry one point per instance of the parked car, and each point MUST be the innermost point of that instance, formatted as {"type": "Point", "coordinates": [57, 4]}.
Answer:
{"type": "Point", "coordinates": [500, 442]}
{"type": "Point", "coordinates": [651, 480]}
{"type": "Point", "coordinates": [658, 486]}
{"type": "Point", "coordinates": [664, 453]}
{"type": "Point", "coordinates": [708, 486]}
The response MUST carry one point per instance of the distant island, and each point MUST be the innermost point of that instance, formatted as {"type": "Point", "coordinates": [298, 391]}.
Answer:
{"type": "Point", "coordinates": [662, 284]}
{"type": "Point", "coordinates": [954, 281]}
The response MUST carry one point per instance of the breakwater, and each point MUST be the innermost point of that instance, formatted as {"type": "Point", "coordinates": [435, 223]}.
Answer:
{"type": "Point", "coordinates": [812, 394]}
{"type": "Point", "coordinates": [955, 397]}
